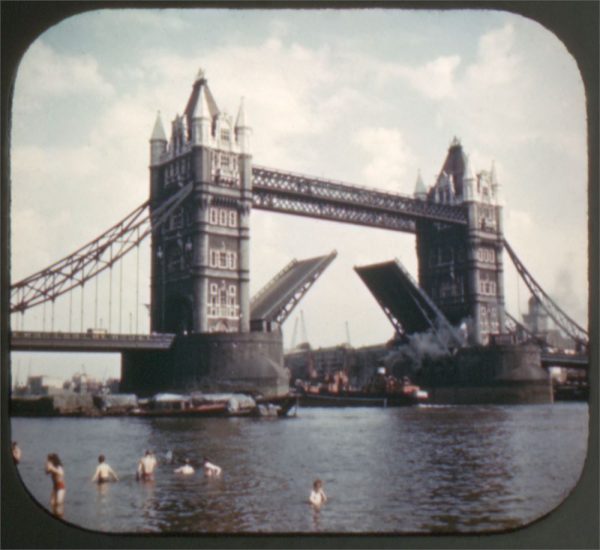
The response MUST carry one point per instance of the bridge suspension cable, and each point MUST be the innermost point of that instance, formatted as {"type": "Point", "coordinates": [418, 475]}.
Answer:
{"type": "Point", "coordinates": [563, 321]}
{"type": "Point", "coordinates": [93, 258]}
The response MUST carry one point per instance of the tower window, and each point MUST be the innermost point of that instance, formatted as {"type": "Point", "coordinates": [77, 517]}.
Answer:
{"type": "Point", "coordinates": [232, 218]}
{"type": "Point", "coordinates": [177, 219]}
{"type": "Point", "coordinates": [225, 161]}
{"type": "Point", "coordinates": [231, 260]}
{"type": "Point", "coordinates": [487, 283]}
{"type": "Point", "coordinates": [483, 318]}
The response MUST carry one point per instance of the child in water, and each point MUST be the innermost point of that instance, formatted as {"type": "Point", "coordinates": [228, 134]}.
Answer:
{"type": "Point", "coordinates": [187, 469]}
{"type": "Point", "coordinates": [16, 452]}
{"type": "Point", "coordinates": [210, 469]}
{"type": "Point", "coordinates": [146, 467]}
{"type": "Point", "coordinates": [317, 495]}
{"type": "Point", "coordinates": [104, 472]}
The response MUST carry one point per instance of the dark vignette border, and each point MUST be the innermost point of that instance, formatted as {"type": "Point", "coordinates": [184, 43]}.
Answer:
{"type": "Point", "coordinates": [574, 524]}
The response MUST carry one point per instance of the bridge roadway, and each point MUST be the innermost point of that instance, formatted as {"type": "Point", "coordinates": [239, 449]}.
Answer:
{"type": "Point", "coordinates": [568, 360]}
{"type": "Point", "coordinates": [116, 343]}
{"type": "Point", "coordinates": [88, 342]}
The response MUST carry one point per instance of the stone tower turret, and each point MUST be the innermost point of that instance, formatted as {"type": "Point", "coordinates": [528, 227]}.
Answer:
{"type": "Point", "coordinates": [200, 278]}
{"type": "Point", "coordinates": [420, 189]}
{"type": "Point", "coordinates": [461, 267]}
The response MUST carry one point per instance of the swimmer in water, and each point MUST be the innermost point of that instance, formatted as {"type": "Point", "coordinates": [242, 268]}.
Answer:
{"type": "Point", "coordinates": [187, 469]}
{"type": "Point", "coordinates": [54, 467]}
{"type": "Point", "coordinates": [104, 472]}
{"type": "Point", "coordinates": [16, 452]}
{"type": "Point", "coordinates": [146, 466]}
{"type": "Point", "coordinates": [210, 469]}
{"type": "Point", "coordinates": [317, 495]}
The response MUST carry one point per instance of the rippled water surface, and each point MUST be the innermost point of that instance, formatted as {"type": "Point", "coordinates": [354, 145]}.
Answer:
{"type": "Point", "coordinates": [402, 470]}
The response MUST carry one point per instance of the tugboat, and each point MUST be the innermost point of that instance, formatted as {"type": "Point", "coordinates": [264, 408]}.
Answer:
{"type": "Point", "coordinates": [381, 391]}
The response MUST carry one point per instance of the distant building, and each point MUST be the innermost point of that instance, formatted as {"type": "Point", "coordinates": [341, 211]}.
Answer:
{"type": "Point", "coordinates": [44, 385]}
{"type": "Point", "coordinates": [539, 323]}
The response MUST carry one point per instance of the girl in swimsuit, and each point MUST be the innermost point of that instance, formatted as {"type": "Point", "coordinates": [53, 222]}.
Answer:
{"type": "Point", "coordinates": [55, 469]}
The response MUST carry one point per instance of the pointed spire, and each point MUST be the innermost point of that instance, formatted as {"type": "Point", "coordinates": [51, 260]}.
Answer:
{"type": "Point", "coordinates": [496, 187]}
{"type": "Point", "coordinates": [493, 177]}
{"type": "Point", "coordinates": [468, 172]}
{"type": "Point", "coordinates": [201, 103]}
{"type": "Point", "coordinates": [420, 189]}
{"type": "Point", "coordinates": [242, 130]}
{"type": "Point", "coordinates": [202, 108]}
{"type": "Point", "coordinates": [158, 133]}
{"type": "Point", "coordinates": [158, 142]}
{"type": "Point", "coordinates": [444, 180]}
{"type": "Point", "coordinates": [468, 191]}
{"type": "Point", "coordinates": [240, 121]}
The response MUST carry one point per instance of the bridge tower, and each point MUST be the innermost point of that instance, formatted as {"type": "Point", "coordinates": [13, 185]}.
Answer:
{"type": "Point", "coordinates": [461, 268]}
{"type": "Point", "coordinates": [200, 261]}
{"type": "Point", "coordinates": [200, 256]}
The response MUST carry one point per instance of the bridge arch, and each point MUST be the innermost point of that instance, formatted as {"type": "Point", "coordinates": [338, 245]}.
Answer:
{"type": "Point", "coordinates": [179, 317]}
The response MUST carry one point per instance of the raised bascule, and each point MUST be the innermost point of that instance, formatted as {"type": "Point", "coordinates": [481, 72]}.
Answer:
{"type": "Point", "coordinates": [206, 332]}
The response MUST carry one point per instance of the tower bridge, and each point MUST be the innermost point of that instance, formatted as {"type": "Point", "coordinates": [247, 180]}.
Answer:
{"type": "Point", "coordinates": [203, 186]}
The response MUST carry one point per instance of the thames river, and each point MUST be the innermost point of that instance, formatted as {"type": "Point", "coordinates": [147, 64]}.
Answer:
{"type": "Point", "coordinates": [396, 470]}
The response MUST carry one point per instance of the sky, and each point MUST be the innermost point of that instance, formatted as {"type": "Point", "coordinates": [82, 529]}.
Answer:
{"type": "Point", "coordinates": [369, 97]}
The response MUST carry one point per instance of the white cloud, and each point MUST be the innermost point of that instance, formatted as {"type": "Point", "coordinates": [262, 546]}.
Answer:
{"type": "Point", "coordinates": [32, 232]}
{"type": "Point", "coordinates": [435, 79]}
{"type": "Point", "coordinates": [44, 74]}
{"type": "Point", "coordinates": [497, 61]}
{"type": "Point", "coordinates": [389, 158]}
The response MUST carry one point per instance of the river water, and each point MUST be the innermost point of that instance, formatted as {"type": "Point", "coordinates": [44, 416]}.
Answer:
{"type": "Point", "coordinates": [401, 470]}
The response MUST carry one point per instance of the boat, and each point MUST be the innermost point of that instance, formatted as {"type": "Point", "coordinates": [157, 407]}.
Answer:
{"type": "Point", "coordinates": [325, 398]}
{"type": "Point", "coordinates": [215, 405]}
{"type": "Point", "coordinates": [381, 391]}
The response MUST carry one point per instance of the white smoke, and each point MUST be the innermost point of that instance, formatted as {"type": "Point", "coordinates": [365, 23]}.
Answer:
{"type": "Point", "coordinates": [431, 344]}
